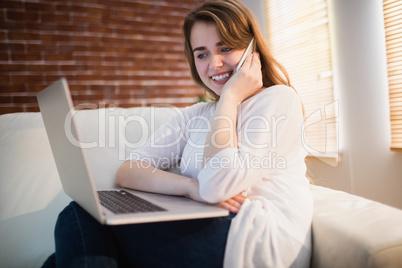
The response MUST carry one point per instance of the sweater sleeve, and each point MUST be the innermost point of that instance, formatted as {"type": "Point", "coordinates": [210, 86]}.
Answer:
{"type": "Point", "coordinates": [165, 146]}
{"type": "Point", "coordinates": [269, 133]}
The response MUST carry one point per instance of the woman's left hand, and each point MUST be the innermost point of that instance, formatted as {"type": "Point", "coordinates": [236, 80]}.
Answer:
{"type": "Point", "coordinates": [233, 204]}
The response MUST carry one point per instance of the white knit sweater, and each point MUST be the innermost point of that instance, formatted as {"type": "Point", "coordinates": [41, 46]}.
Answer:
{"type": "Point", "coordinates": [273, 229]}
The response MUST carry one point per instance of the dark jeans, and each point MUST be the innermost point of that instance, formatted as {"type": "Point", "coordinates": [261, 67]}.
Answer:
{"type": "Point", "coordinates": [82, 242]}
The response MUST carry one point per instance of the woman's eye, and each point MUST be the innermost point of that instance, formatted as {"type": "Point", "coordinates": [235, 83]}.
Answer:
{"type": "Point", "coordinates": [226, 49]}
{"type": "Point", "coordinates": [201, 56]}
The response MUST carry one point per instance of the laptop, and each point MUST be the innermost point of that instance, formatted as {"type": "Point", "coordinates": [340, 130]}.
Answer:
{"type": "Point", "coordinates": [78, 182]}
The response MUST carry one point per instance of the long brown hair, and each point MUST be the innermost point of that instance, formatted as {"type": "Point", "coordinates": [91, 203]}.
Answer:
{"type": "Point", "coordinates": [236, 27]}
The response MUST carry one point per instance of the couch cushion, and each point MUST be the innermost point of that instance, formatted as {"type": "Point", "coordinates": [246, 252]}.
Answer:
{"type": "Point", "coordinates": [30, 191]}
{"type": "Point", "coordinates": [27, 169]}
{"type": "Point", "coordinates": [350, 231]}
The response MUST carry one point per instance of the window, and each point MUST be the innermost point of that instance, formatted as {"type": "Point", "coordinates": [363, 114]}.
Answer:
{"type": "Point", "coordinates": [393, 37]}
{"type": "Point", "coordinates": [298, 35]}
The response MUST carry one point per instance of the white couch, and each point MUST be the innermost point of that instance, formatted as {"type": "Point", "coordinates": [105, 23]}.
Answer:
{"type": "Point", "coordinates": [348, 231]}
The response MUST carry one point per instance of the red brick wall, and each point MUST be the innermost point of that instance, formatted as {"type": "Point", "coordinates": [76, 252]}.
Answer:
{"type": "Point", "coordinates": [129, 53]}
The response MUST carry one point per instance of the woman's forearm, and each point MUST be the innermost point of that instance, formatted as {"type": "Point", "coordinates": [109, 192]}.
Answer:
{"type": "Point", "coordinates": [139, 175]}
{"type": "Point", "coordinates": [223, 132]}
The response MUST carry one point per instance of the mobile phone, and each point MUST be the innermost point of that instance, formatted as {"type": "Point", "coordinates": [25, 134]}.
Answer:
{"type": "Point", "coordinates": [250, 49]}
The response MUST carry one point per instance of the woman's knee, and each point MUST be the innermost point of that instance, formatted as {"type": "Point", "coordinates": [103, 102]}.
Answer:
{"type": "Point", "coordinates": [81, 238]}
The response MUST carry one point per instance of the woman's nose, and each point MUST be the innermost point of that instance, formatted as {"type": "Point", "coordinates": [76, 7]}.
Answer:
{"type": "Point", "coordinates": [216, 61]}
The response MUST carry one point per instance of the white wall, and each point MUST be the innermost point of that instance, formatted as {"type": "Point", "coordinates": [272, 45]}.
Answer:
{"type": "Point", "coordinates": [258, 8]}
{"type": "Point", "coordinates": [368, 167]}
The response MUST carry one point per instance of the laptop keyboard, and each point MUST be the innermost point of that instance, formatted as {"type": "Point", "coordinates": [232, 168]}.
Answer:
{"type": "Point", "coordinates": [121, 202]}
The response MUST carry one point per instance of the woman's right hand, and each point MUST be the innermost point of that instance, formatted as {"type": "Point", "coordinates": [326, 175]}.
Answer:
{"type": "Point", "coordinates": [245, 82]}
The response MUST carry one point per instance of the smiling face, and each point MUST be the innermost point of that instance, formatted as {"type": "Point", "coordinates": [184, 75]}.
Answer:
{"type": "Point", "coordinates": [215, 62]}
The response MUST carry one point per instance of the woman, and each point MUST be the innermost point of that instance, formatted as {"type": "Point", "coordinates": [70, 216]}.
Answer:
{"type": "Point", "coordinates": [243, 151]}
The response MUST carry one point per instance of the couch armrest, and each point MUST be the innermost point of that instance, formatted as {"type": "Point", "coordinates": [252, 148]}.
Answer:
{"type": "Point", "coordinates": [350, 231]}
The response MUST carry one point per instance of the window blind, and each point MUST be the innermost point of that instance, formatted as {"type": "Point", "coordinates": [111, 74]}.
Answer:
{"type": "Point", "coordinates": [298, 35]}
{"type": "Point", "coordinates": [393, 36]}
